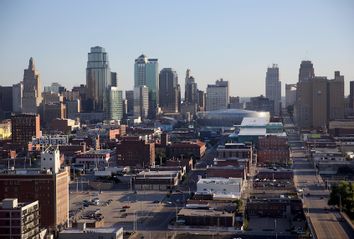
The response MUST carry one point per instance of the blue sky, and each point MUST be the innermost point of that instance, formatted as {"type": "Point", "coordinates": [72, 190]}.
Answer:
{"type": "Point", "coordinates": [234, 40]}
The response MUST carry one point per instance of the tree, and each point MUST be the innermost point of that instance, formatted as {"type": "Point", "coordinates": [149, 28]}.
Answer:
{"type": "Point", "coordinates": [238, 205]}
{"type": "Point", "coordinates": [342, 195]}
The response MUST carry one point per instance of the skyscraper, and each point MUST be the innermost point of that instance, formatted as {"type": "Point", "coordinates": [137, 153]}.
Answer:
{"type": "Point", "coordinates": [290, 94]}
{"type": "Point", "coordinates": [146, 73]}
{"type": "Point", "coordinates": [32, 89]}
{"type": "Point", "coordinates": [191, 89]}
{"type": "Point", "coordinates": [217, 96]}
{"type": "Point", "coordinates": [306, 71]}
{"type": "Point", "coordinates": [273, 87]}
{"type": "Point", "coordinates": [17, 96]}
{"type": "Point", "coordinates": [114, 79]}
{"type": "Point", "coordinates": [98, 78]}
{"type": "Point", "coordinates": [141, 101]}
{"type": "Point", "coordinates": [115, 109]}
{"type": "Point", "coordinates": [336, 97]}
{"type": "Point", "coordinates": [169, 91]}
{"type": "Point", "coordinates": [129, 96]}
{"type": "Point", "coordinates": [311, 103]}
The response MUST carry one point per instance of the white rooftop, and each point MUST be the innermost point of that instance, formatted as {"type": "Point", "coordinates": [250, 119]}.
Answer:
{"type": "Point", "coordinates": [255, 121]}
{"type": "Point", "coordinates": [229, 181]}
{"type": "Point", "coordinates": [252, 131]}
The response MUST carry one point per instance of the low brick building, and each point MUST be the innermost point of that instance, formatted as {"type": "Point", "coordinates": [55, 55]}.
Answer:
{"type": "Point", "coordinates": [135, 152]}
{"type": "Point", "coordinates": [226, 172]}
{"type": "Point", "coordinates": [203, 217]}
{"type": "Point", "coordinates": [273, 150]}
{"type": "Point", "coordinates": [195, 149]}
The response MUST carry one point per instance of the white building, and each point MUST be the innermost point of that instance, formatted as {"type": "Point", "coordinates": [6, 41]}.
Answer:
{"type": "Point", "coordinates": [50, 160]}
{"type": "Point", "coordinates": [217, 96]}
{"type": "Point", "coordinates": [221, 187]}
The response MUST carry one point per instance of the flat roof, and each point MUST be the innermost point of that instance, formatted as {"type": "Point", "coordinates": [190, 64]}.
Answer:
{"type": "Point", "coordinates": [252, 131]}
{"type": "Point", "coordinates": [204, 212]}
{"type": "Point", "coordinates": [94, 230]}
{"type": "Point", "coordinates": [229, 181]}
{"type": "Point", "coordinates": [255, 121]}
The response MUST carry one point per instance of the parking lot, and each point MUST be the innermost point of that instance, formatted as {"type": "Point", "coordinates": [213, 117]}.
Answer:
{"type": "Point", "coordinates": [115, 208]}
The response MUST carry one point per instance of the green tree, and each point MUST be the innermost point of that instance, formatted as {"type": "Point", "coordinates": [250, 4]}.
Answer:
{"type": "Point", "coordinates": [342, 195]}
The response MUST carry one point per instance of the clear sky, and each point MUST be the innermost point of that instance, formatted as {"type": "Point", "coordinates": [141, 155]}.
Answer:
{"type": "Point", "coordinates": [234, 40]}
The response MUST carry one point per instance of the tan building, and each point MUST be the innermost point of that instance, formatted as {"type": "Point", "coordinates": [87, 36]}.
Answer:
{"type": "Point", "coordinates": [319, 100]}
{"type": "Point", "coordinates": [311, 105]}
{"type": "Point", "coordinates": [336, 97]}
{"type": "Point", "coordinates": [32, 89]}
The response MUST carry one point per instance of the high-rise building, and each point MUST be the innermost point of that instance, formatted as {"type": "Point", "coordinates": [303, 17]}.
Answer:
{"type": "Point", "coordinates": [5, 102]}
{"type": "Point", "coordinates": [351, 95]}
{"type": "Point", "coordinates": [114, 79]}
{"type": "Point", "coordinates": [191, 89]}
{"type": "Point", "coordinates": [141, 101]}
{"type": "Point", "coordinates": [24, 127]}
{"type": "Point", "coordinates": [146, 73]}
{"type": "Point", "coordinates": [19, 220]}
{"type": "Point", "coordinates": [318, 100]}
{"type": "Point", "coordinates": [201, 100]}
{"type": "Point", "coordinates": [311, 103]}
{"type": "Point", "coordinates": [260, 103]}
{"type": "Point", "coordinates": [217, 96]}
{"type": "Point", "coordinates": [98, 78]}
{"type": "Point", "coordinates": [129, 96]}
{"type": "Point", "coordinates": [306, 71]}
{"type": "Point", "coordinates": [169, 91]}
{"type": "Point", "coordinates": [115, 109]}
{"type": "Point", "coordinates": [235, 103]}
{"type": "Point", "coordinates": [336, 97]}
{"type": "Point", "coordinates": [273, 87]}
{"type": "Point", "coordinates": [32, 89]}
{"type": "Point", "coordinates": [17, 96]}
{"type": "Point", "coordinates": [73, 108]}
{"type": "Point", "coordinates": [290, 94]}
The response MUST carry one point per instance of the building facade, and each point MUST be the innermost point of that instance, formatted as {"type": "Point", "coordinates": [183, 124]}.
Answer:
{"type": "Point", "coordinates": [217, 96]}
{"type": "Point", "coordinates": [24, 127]}
{"type": "Point", "coordinates": [169, 91]}
{"type": "Point", "coordinates": [336, 97]}
{"type": "Point", "coordinates": [98, 78]}
{"type": "Point", "coordinates": [290, 94]}
{"type": "Point", "coordinates": [50, 189]}
{"type": "Point", "coordinates": [19, 220]}
{"type": "Point", "coordinates": [135, 152]}
{"type": "Point", "coordinates": [141, 101]}
{"type": "Point", "coordinates": [306, 71]}
{"type": "Point", "coordinates": [115, 102]}
{"type": "Point", "coordinates": [17, 96]}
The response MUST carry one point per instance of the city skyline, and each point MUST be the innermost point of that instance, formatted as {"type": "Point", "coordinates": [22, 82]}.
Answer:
{"type": "Point", "coordinates": [214, 41]}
